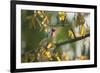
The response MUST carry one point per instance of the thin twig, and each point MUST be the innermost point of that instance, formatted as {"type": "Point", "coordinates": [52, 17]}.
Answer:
{"type": "Point", "coordinates": [73, 40]}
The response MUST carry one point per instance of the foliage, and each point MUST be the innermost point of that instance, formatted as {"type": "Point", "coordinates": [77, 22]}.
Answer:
{"type": "Point", "coordinates": [54, 36]}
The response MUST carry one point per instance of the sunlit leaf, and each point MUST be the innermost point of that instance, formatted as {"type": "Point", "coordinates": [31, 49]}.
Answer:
{"type": "Point", "coordinates": [49, 45]}
{"type": "Point", "coordinates": [61, 15]}
{"type": "Point", "coordinates": [82, 30]}
{"type": "Point", "coordinates": [40, 13]}
{"type": "Point", "coordinates": [70, 33]}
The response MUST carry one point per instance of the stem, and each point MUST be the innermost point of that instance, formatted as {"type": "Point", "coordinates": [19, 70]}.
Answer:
{"type": "Point", "coordinates": [73, 40]}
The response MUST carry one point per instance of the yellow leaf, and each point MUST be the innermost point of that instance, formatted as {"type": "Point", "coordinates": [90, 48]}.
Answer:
{"type": "Point", "coordinates": [61, 15]}
{"type": "Point", "coordinates": [58, 58]}
{"type": "Point", "coordinates": [65, 56]}
{"type": "Point", "coordinates": [70, 33]}
{"type": "Point", "coordinates": [49, 45]}
{"type": "Point", "coordinates": [40, 13]}
{"type": "Point", "coordinates": [82, 57]}
{"type": "Point", "coordinates": [46, 30]}
{"type": "Point", "coordinates": [44, 20]}
{"type": "Point", "coordinates": [47, 54]}
{"type": "Point", "coordinates": [82, 30]}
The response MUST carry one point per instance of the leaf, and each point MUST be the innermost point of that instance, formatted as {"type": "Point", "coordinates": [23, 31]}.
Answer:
{"type": "Point", "coordinates": [80, 19]}
{"type": "Point", "coordinates": [49, 45]}
{"type": "Point", "coordinates": [82, 57]}
{"type": "Point", "coordinates": [70, 34]}
{"type": "Point", "coordinates": [82, 30]}
{"type": "Point", "coordinates": [58, 58]}
{"type": "Point", "coordinates": [40, 14]}
{"type": "Point", "coordinates": [61, 15]}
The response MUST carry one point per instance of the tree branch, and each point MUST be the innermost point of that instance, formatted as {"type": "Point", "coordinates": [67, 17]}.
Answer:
{"type": "Point", "coordinates": [62, 43]}
{"type": "Point", "coordinates": [73, 40]}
